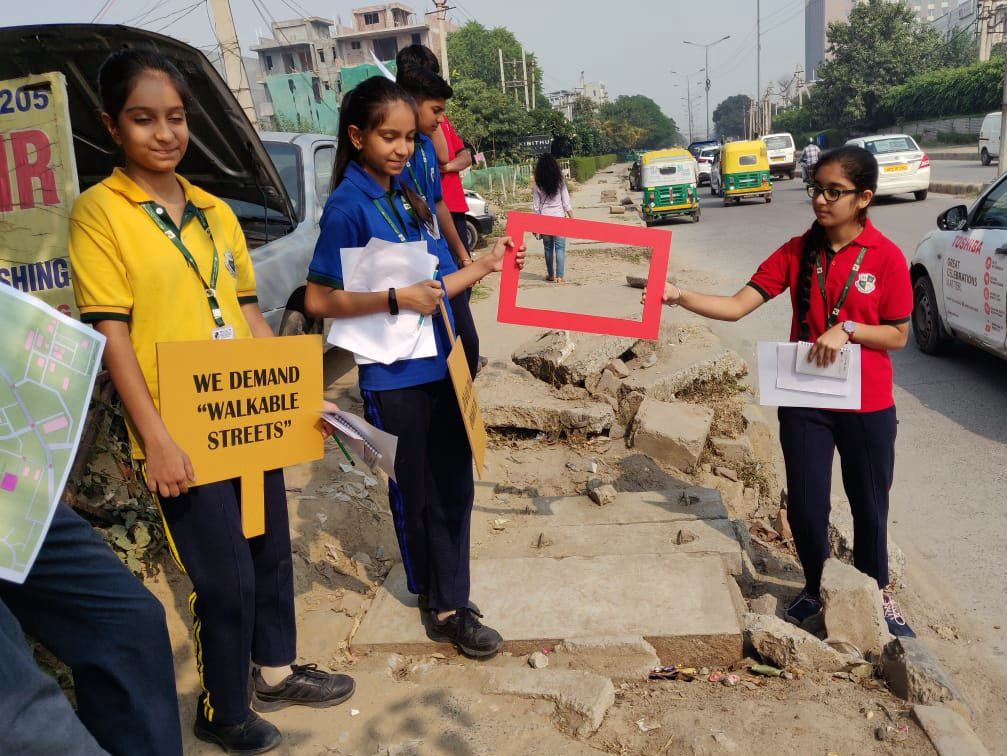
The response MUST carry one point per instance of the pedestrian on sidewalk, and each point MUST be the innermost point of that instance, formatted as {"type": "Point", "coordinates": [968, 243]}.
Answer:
{"type": "Point", "coordinates": [848, 284]}
{"type": "Point", "coordinates": [147, 248]}
{"type": "Point", "coordinates": [431, 94]}
{"type": "Point", "coordinates": [432, 494]}
{"type": "Point", "coordinates": [550, 197]}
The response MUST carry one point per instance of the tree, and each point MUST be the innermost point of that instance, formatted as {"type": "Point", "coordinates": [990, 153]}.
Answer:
{"type": "Point", "coordinates": [880, 47]}
{"type": "Point", "coordinates": [731, 116]}
{"type": "Point", "coordinates": [486, 117]}
{"type": "Point", "coordinates": [473, 53]}
{"type": "Point", "coordinates": [637, 121]}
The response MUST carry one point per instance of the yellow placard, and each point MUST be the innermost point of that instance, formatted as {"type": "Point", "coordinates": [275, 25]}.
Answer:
{"type": "Point", "coordinates": [241, 407]}
{"type": "Point", "coordinates": [38, 184]}
{"type": "Point", "coordinates": [468, 402]}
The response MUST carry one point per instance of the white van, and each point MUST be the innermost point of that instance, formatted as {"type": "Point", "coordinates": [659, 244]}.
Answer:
{"type": "Point", "coordinates": [782, 157]}
{"type": "Point", "coordinates": [989, 138]}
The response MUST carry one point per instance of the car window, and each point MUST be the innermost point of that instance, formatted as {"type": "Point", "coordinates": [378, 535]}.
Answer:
{"type": "Point", "coordinates": [668, 170]}
{"type": "Point", "coordinates": [285, 158]}
{"type": "Point", "coordinates": [748, 160]}
{"type": "Point", "coordinates": [992, 213]}
{"type": "Point", "coordinates": [779, 142]}
{"type": "Point", "coordinates": [324, 161]}
{"type": "Point", "coordinates": [891, 144]}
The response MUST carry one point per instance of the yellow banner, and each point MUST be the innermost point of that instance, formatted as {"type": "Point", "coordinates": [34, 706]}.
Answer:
{"type": "Point", "coordinates": [38, 184]}
{"type": "Point", "coordinates": [241, 407]}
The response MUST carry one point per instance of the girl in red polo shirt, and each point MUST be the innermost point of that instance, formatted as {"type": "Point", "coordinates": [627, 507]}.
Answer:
{"type": "Point", "coordinates": [848, 283]}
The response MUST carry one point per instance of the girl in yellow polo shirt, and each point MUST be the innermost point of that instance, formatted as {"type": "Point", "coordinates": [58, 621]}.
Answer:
{"type": "Point", "coordinates": [157, 259]}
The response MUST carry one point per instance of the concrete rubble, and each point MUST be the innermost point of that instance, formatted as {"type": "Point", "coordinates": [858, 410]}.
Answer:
{"type": "Point", "coordinates": [852, 606]}
{"type": "Point", "coordinates": [673, 433]}
{"type": "Point", "coordinates": [735, 450]}
{"type": "Point", "coordinates": [618, 658]}
{"type": "Point", "coordinates": [787, 645]}
{"type": "Point", "coordinates": [560, 357]}
{"type": "Point", "coordinates": [913, 673]}
{"type": "Point", "coordinates": [950, 734]}
{"type": "Point", "coordinates": [511, 398]}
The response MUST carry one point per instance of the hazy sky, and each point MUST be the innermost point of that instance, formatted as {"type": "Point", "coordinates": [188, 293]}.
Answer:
{"type": "Point", "coordinates": [631, 46]}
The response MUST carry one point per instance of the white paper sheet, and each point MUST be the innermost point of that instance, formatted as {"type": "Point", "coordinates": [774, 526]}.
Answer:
{"type": "Point", "coordinates": [383, 337]}
{"type": "Point", "coordinates": [838, 369]}
{"type": "Point", "coordinates": [780, 385]}
{"type": "Point", "coordinates": [373, 446]}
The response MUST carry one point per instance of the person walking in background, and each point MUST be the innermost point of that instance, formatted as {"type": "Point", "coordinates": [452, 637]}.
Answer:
{"type": "Point", "coordinates": [550, 197]}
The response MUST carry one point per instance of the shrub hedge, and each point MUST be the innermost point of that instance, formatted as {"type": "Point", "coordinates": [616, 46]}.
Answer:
{"type": "Point", "coordinates": [946, 92]}
{"type": "Point", "coordinates": [584, 168]}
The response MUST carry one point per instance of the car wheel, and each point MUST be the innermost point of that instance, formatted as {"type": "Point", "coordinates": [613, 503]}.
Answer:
{"type": "Point", "coordinates": [920, 195]}
{"type": "Point", "coordinates": [790, 175]}
{"type": "Point", "coordinates": [695, 216]}
{"type": "Point", "coordinates": [473, 230]}
{"type": "Point", "coordinates": [984, 157]}
{"type": "Point", "coordinates": [927, 319]}
{"type": "Point", "coordinates": [770, 199]}
{"type": "Point", "coordinates": [296, 323]}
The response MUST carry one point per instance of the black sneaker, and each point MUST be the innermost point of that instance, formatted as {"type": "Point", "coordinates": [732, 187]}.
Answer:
{"type": "Point", "coordinates": [306, 685]}
{"type": "Point", "coordinates": [802, 608]}
{"type": "Point", "coordinates": [254, 735]}
{"type": "Point", "coordinates": [897, 624]}
{"type": "Point", "coordinates": [464, 630]}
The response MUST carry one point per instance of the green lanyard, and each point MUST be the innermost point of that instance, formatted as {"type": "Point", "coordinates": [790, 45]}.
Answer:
{"type": "Point", "coordinates": [176, 239]}
{"type": "Point", "coordinates": [834, 314]}
{"type": "Point", "coordinates": [426, 169]}
{"type": "Point", "coordinates": [387, 217]}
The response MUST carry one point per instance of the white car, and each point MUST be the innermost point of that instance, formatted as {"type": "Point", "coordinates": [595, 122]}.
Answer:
{"type": "Point", "coordinates": [704, 162]}
{"type": "Point", "coordinates": [782, 154]}
{"type": "Point", "coordinates": [959, 275]}
{"type": "Point", "coordinates": [902, 166]}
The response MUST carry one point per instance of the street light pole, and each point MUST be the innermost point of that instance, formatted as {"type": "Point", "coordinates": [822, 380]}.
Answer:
{"type": "Point", "coordinates": [688, 94]}
{"type": "Point", "coordinates": [706, 49]}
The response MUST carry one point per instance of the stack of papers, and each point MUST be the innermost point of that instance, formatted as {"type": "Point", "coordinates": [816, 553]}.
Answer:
{"type": "Point", "coordinates": [373, 446]}
{"type": "Point", "coordinates": [787, 379]}
{"type": "Point", "coordinates": [383, 337]}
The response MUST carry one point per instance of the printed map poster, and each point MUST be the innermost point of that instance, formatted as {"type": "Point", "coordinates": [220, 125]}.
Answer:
{"type": "Point", "coordinates": [38, 184]}
{"type": "Point", "coordinates": [48, 363]}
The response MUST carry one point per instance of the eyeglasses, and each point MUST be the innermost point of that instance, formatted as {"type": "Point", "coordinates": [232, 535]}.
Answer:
{"type": "Point", "coordinates": [831, 195]}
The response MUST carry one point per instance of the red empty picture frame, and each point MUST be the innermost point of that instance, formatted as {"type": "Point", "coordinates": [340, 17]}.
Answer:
{"type": "Point", "coordinates": [659, 242]}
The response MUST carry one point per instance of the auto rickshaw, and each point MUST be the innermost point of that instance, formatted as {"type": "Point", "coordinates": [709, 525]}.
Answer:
{"type": "Point", "coordinates": [744, 171]}
{"type": "Point", "coordinates": [668, 180]}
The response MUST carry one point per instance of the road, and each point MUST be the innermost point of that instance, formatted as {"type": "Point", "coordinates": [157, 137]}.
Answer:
{"type": "Point", "coordinates": [951, 469]}
{"type": "Point", "coordinates": [962, 170]}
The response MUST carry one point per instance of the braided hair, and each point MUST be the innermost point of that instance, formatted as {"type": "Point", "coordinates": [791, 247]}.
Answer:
{"type": "Point", "coordinates": [861, 168]}
{"type": "Point", "coordinates": [366, 107]}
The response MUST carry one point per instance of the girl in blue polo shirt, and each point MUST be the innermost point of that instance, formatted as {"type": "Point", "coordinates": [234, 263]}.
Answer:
{"type": "Point", "coordinates": [431, 499]}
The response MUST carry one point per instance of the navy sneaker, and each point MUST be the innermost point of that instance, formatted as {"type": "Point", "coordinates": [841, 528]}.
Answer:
{"type": "Point", "coordinates": [802, 608]}
{"type": "Point", "coordinates": [897, 624]}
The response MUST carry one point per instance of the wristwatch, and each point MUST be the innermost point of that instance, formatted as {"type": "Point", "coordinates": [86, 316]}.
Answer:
{"type": "Point", "coordinates": [393, 303]}
{"type": "Point", "coordinates": [849, 327]}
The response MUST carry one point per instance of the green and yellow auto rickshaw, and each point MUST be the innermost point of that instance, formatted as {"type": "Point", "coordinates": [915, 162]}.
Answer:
{"type": "Point", "coordinates": [668, 180]}
{"type": "Point", "coordinates": [744, 171]}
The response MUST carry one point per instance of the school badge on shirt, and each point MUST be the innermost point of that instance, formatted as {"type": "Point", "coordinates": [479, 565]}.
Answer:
{"type": "Point", "coordinates": [229, 263]}
{"type": "Point", "coordinates": [866, 283]}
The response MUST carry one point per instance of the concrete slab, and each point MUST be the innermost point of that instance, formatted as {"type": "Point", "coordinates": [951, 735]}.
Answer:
{"type": "Point", "coordinates": [672, 505]}
{"type": "Point", "coordinates": [703, 537]}
{"type": "Point", "coordinates": [948, 731]}
{"type": "Point", "coordinates": [679, 603]}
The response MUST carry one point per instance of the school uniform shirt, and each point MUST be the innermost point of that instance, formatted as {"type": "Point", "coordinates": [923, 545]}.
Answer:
{"type": "Point", "coordinates": [351, 219]}
{"type": "Point", "coordinates": [423, 176]}
{"type": "Point", "coordinates": [125, 268]}
{"type": "Point", "coordinates": [451, 183]}
{"type": "Point", "coordinates": [881, 294]}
